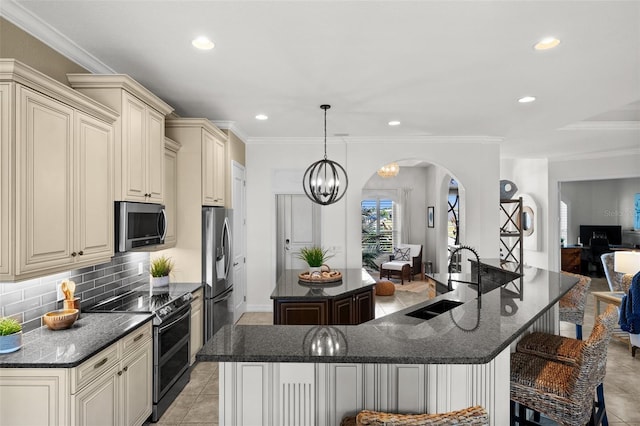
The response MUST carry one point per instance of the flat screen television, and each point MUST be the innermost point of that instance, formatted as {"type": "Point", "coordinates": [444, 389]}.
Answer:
{"type": "Point", "coordinates": [612, 232]}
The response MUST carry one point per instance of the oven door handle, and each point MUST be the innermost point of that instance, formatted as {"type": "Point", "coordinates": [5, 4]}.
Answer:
{"type": "Point", "coordinates": [186, 314]}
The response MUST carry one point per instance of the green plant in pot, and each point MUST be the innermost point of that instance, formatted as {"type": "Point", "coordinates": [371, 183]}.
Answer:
{"type": "Point", "coordinates": [160, 269]}
{"type": "Point", "coordinates": [10, 335]}
{"type": "Point", "coordinates": [314, 256]}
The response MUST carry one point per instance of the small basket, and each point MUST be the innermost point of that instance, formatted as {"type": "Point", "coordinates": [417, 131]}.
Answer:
{"type": "Point", "coordinates": [59, 320]}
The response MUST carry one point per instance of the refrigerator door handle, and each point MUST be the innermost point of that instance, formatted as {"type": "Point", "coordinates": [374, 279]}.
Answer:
{"type": "Point", "coordinates": [226, 246]}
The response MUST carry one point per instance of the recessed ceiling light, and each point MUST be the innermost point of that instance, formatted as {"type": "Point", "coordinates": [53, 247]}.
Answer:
{"type": "Point", "coordinates": [526, 99]}
{"type": "Point", "coordinates": [547, 43]}
{"type": "Point", "coordinates": [202, 43]}
{"type": "Point", "coordinates": [261, 117]}
{"type": "Point", "coordinates": [394, 123]}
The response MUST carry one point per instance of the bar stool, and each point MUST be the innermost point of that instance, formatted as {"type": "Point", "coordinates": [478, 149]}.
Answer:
{"type": "Point", "coordinates": [558, 376]}
{"type": "Point", "coordinates": [469, 416]}
{"type": "Point", "coordinates": [572, 304]}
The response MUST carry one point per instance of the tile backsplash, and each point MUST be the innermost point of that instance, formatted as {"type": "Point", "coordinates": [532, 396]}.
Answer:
{"type": "Point", "coordinates": [28, 300]}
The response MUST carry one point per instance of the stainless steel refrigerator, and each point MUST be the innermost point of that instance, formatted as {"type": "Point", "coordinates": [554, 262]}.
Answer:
{"type": "Point", "coordinates": [217, 269]}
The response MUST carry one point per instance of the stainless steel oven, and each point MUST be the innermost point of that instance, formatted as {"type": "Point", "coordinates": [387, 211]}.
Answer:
{"type": "Point", "coordinates": [170, 359]}
{"type": "Point", "coordinates": [171, 337]}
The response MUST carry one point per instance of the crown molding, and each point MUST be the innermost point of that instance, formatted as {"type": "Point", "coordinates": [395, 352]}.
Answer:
{"type": "Point", "coordinates": [596, 155]}
{"type": "Point", "coordinates": [603, 125]}
{"type": "Point", "coordinates": [34, 25]}
{"type": "Point", "coordinates": [233, 127]}
{"type": "Point", "coordinates": [377, 140]}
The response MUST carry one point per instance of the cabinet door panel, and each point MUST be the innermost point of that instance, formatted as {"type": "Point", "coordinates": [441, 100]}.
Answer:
{"type": "Point", "coordinates": [220, 172]}
{"type": "Point", "coordinates": [136, 386]}
{"type": "Point", "coordinates": [170, 196]}
{"type": "Point", "coordinates": [97, 404]}
{"type": "Point", "coordinates": [155, 156]}
{"type": "Point", "coordinates": [134, 141]}
{"type": "Point", "coordinates": [365, 308]}
{"type": "Point", "coordinates": [208, 172]}
{"type": "Point", "coordinates": [6, 181]}
{"type": "Point", "coordinates": [196, 325]}
{"type": "Point", "coordinates": [45, 206]}
{"type": "Point", "coordinates": [343, 311]}
{"type": "Point", "coordinates": [94, 185]}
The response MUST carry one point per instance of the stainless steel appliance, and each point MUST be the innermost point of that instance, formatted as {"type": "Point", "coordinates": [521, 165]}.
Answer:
{"type": "Point", "coordinates": [171, 336]}
{"type": "Point", "coordinates": [139, 225]}
{"type": "Point", "coordinates": [216, 269]}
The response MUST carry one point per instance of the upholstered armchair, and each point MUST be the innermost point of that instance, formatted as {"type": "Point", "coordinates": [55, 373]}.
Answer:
{"type": "Point", "coordinates": [406, 261]}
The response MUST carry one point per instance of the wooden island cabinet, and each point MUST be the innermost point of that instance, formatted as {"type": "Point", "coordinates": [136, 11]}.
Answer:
{"type": "Point", "coordinates": [348, 302]}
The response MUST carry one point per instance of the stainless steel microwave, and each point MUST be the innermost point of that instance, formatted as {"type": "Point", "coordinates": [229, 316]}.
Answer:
{"type": "Point", "coordinates": [139, 226]}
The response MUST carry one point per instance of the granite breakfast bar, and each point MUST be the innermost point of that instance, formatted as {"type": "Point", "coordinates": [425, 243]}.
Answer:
{"type": "Point", "coordinates": [317, 374]}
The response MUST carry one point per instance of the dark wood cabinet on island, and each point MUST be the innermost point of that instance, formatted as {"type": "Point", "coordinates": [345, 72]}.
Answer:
{"type": "Point", "coordinates": [348, 302]}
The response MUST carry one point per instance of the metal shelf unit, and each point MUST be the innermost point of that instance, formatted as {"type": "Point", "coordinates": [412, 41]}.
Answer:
{"type": "Point", "coordinates": [511, 248]}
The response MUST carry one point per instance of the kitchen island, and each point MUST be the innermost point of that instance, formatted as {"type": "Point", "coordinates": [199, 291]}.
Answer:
{"type": "Point", "coordinates": [399, 363]}
{"type": "Point", "coordinates": [349, 301]}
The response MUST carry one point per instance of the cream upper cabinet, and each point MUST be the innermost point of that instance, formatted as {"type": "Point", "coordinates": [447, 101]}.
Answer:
{"type": "Point", "coordinates": [57, 153]}
{"type": "Point", "coordinates": [203, 142]}
{"type": "Point", "coordinates": [171, 149]}
{"type": "Point", "coordinates": [139, 140]}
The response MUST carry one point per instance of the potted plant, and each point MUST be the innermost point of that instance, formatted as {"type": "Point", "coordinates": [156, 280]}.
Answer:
{"type": "Point", "coordinates": [314, 256]}
{"type": "Point", "coordinates": [160, 269]}
{"type": "Point", "coordinates": [10, 335]}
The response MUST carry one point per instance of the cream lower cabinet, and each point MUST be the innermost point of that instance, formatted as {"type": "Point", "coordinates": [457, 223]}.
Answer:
{"type": "Point", "coordinates": [56, 156]}
{"type": "Point", "coordinates": [306, 394]}
{"type": "Point", "coordinates": [111, 388]}
{"type": "Point", "coordinates": [121, 395]}
{"type": "Point", "coordinates": [197, 324]}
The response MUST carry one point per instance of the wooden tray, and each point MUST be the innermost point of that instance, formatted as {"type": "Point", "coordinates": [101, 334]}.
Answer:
{"type": "Point", "coordinates": [304, 277]}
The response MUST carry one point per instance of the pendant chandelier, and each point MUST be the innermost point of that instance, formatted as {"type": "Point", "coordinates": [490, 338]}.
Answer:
{"type": "Point", "coordinates": [325, 182]}
{"type": "Point", "coordinates": [390, 170]}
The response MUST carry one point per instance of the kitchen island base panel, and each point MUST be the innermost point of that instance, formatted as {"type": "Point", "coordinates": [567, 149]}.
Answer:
{"type": "Point", "coordinates": [323, 393]}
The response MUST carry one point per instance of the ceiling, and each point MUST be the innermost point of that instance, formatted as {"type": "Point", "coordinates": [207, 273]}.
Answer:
{"type": "Point", "coordinates": [442, 68]}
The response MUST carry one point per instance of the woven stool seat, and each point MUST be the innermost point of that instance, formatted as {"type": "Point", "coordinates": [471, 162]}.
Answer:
{"type": "Point", "coordinates": [385, 288]}
{"type": "Point", "coordinates": [552, 388]}
{"type": "Point", "coordinates": [469, 416]}
{"type": "Point", "coordinates": [558, 376]}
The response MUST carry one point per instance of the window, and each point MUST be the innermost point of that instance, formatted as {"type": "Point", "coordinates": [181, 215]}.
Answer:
{"type": "Point", "coordinates": [563, 222]}
{"type": "Point", "coordinates": [377, 225]}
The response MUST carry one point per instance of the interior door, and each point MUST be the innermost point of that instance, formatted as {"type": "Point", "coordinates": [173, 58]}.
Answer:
{"type": "Point", "coordinates": [238, 201]}
{"type": "Point", "coordinates": [298, 226]}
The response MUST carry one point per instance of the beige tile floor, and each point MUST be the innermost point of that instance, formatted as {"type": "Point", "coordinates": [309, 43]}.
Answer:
{"type": "Point", "coordinates": [198, 402]}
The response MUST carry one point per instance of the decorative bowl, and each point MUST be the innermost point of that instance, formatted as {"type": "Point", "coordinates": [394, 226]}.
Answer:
{"type": "Point", "coordinates": [58, 320]}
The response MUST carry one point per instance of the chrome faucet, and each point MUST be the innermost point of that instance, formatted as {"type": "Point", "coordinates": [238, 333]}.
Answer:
{"type": "Point", "coordinates": [451, 261]}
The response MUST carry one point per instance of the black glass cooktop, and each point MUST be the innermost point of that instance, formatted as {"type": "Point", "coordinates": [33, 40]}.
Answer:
{"type": "Point", "coordinates": [144, 300]}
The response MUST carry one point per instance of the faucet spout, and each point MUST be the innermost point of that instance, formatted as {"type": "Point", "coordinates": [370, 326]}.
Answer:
{"type": "Point", "coordinates": [451, 261]}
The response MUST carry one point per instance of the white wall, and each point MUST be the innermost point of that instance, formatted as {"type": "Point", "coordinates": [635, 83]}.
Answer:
{"type": "Point", "coordinates": [613, 167]}
{"type": "Point", "coordinates": [474, 162]}
{"type": "Point", "coordinates": [530, 176]}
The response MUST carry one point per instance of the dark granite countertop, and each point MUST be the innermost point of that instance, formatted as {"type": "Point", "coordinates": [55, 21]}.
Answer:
{"type": "Point", "coordinates": [91, 333]}
{"type": "Point", "coordinates": [289, 286]}
{"type": "Point", "coordinates": [472, 333]}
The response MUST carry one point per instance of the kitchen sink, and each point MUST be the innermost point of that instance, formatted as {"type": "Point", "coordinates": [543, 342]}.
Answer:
{"type": "Point", "coordinates": [435, 309]}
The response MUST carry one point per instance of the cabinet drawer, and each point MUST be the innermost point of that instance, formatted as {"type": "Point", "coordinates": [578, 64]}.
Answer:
{"type": "Point", "coordinates": [94, 367]}
{"type": "Point", "coordinates": [137, 338]}
{"type": "Point", "coordinates": [197, 301]}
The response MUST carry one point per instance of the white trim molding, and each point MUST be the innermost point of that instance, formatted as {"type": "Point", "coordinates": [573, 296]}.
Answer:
{"type": "Point", "coordinates": [34, 25]}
